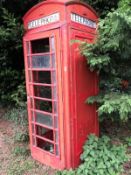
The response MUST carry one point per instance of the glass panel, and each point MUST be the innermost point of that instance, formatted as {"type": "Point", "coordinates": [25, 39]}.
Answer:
{"type": "Point", "coordinates": [53, 61]}
{"type": "Point", "coordinates": [56, 122]}
{"type": "Point", "coordinates": [55, 107]}
{"type": "Point", "coordinates": [42, 77]}
{"type": "Point", "coordinates": [54, 92]}
{"type": "Point", "coordinates": [52, 43]}
{"type": "Point", "coordinates": [40, 46]}
{"type": "Point", "coordinates": [56, 137]}
{"type": "Point", "coordinates": [44, 59]}
{"type": "Point", "coordinates": [42, 91]}
{"type": "Point", "coordinates": [53, 77]}
{"type": "Point", "coordinates": [41, 61]}
{"type": "Point", "coordinates": [44, 119]}
{"type": "Point", "coordinates": [57, 150]}
{"type": "Point", "coordinates": [43, 105]}
{"type": "Point", "coordinates": [45, 145]}
{"type": "Point", "coordinates": [44, 132]}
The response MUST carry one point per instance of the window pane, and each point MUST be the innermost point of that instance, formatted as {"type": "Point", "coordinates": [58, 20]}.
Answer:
{"type": "Point", "coordinates": [45, 145]}
{"type": "Point", "coordinates": [55, 107]}
{"type": "Point", "coordinates": [53, 77]}
{"type": "Point", "coordinates": [42, 77]}
{"type": "Point", "coordinates": [42, 91]}
{"type": "Point", "coordinates": [44, 132]}
{"type": "Point", "coordinates": [54, 93]}
{"type": "Point", "coordinates": [56, 122]}
{"type": "Point", "coordinates": [41, 61]}
{"type": "Point", "coordinates": [43, 105]}
{"type": "Point", "coordinates": [44, 119]}
{"type": "Point", "coordinates": [52, 39]}
{"type": "Point", "coordinates": [40, 46]}
{"type": "Point", "coordinates": [53, 60]}
{"type": "Point", "coordinates": [56, 137]}
{"type": "Point", "coordinates": [57, 150]}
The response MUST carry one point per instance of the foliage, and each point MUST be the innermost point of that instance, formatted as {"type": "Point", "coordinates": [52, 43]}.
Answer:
{"type": "Point", "coordinates": [102, 6]}
{"type": "Point", "coordinates": [110, 57]}
{"type": "Point", "coordinates": [21, 151]}
{"type": "Point", "coordinates": [128, 141]}
{"type": "Point", "coordinates": [21, 137]}
{"type": "Point", "coordinates": [113, 103]}
{"type": "Point", "coordinates": [12, 87]}
{"type": "Point", "coordinates": [65, 172]}
{"type": "Point", "coordinates": [101, 157]}
{"type": "Point", "coordinates": [17, 115]}
{"type": "Point", "coordinates": [100, 153]}
{"type": "Point", "coordinates": [18, 96]}
{"type": "Point", "coordinates": [10, 59]}
{"type": "Point", "coordinates": [18, 8]}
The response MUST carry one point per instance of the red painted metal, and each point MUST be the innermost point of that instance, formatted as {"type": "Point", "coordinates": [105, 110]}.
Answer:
{"type": "Point", "coordinates": [58, 81]}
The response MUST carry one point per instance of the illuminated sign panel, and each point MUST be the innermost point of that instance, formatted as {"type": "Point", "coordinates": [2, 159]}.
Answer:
{"type": "Point", "coordinates": [82, 20]}
{"type": "Point", "coordinates": [44, 21]}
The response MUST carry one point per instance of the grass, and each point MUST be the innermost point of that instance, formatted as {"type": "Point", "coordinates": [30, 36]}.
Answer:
{"type": "Point", "coordinates": [17, 115]}
{"type": "Point", "coordinates": [21, 151]}
{"type": "Point", "coordinates": [17, 158]}
{"type": "Point", "coordinates": [20, 166]}
{"type": "Point", "coordinates": [20, 161]}
{"type": "Point", "coordinates": [21, 136]}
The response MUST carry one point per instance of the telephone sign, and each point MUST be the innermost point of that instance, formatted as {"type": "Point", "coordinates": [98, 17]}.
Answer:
{"type": "Point", "coordinates": [82, 20]}
{"type": "Point", "coordinates": [44, 21]}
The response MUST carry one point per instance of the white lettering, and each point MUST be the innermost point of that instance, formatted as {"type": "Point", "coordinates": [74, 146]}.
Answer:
{"type": "Point", "coordinates": [44, 21]}
{"type": "Point", "coordinates": [84, 21]}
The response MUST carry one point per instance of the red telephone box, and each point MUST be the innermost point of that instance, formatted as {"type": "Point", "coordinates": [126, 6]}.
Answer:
{"type": "Point", "coordinates": [58, 81]}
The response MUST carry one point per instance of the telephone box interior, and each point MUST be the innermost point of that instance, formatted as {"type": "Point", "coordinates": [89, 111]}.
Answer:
{"type": "Point", "coordinates": [58, 81]}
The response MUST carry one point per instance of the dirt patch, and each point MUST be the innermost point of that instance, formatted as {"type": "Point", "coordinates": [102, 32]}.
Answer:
{"type": "Point", "coordinates": [13, 162]}
{"type": "Point", "coordinates": [5, 134]}
{"type": "Point", "coordinates": [10, 164]}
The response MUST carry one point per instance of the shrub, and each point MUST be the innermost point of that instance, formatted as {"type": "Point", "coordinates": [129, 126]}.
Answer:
{"type": "Point", "coordinates": [21, 151]}
{"type": "Point", "coordinates": [11, 58]}
{"type": "Point", "coordinates": [100, 157]}
{"type": "Point", "coordinates": [128, 141]}
{"type": "Point", "coordinates": [110, 57]}
{"type": "Point", "coordinates": [21, 137]}
{"type": "Point", "coordinates": [17, 115]}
